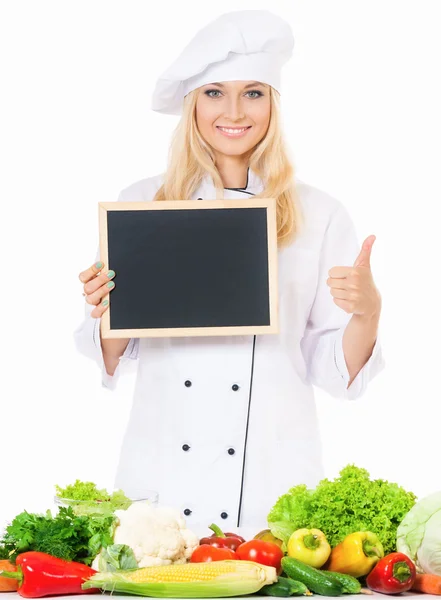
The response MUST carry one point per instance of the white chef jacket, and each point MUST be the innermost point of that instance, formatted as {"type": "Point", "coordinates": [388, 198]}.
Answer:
{"type": "Point", "coordinates": [222, 426]}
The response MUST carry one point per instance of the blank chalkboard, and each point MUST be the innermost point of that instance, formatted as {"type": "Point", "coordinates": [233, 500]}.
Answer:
{"type": "Point", "coordinates": [186, 268]}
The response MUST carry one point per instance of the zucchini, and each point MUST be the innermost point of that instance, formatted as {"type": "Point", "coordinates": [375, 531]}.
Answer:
{"type": "Point", "coordinates": [285, 587]}
{"type": "Point", "coordinates": [350, 584]}
{"type": "Point", "coordinates": [314, 579]}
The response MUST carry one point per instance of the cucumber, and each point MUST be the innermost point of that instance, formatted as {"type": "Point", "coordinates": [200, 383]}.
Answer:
{"type": "Point", "coordinates": [285, 587]}
{"type": "Point", "coordinates": [350, 584]}
{"type": "Point", "coordinates": [314, 579]}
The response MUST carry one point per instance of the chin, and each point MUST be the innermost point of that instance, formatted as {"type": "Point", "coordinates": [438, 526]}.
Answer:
{"type": "Point", "coordinates": [233, 148]}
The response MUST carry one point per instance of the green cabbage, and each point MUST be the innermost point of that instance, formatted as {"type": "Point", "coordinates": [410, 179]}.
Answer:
{"type": "Point", "coordinates": [419, 534]}
{"type": "Point", "coordinates": [117, 557]}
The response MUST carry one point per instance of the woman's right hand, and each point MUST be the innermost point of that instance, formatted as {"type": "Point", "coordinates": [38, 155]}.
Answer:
{"type": "Point", "coordinates": [97, 285]}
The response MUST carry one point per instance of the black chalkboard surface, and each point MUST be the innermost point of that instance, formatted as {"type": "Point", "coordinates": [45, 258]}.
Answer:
{"type": "Point", "coordinates": [186, 268]}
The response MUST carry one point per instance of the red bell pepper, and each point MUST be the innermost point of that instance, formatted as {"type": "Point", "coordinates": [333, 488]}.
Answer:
{"type": "Point", "coordinates": [393, 574]}
{"type": "Point", "coordinates": [219, 539]}
{"type": "Point", "coordinates": [264, 553]}
{"type": "Point", "coordinates": [207, 553]}
{"type": "Point", "coordinates": [41, 574]}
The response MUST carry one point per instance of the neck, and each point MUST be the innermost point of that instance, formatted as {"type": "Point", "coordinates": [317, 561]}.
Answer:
{"type": "Point", "coordinates": [233, 170]}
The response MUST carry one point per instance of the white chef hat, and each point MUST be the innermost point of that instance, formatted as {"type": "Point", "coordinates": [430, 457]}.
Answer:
{"type": "Point", "coordinates": [246, 45]}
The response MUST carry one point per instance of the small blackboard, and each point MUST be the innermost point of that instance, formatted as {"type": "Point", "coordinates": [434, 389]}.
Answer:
{"type": "Point", "coordinates": [186, 268]}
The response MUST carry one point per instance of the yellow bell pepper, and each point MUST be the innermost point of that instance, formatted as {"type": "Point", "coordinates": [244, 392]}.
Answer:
{"type": "Point", "coordinates": [309, 546]}
{"type": "Point", "coordinates": [356, 555]}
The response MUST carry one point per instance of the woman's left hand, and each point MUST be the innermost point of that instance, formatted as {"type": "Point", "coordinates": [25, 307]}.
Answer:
{"type": "Point", "coordinates": [353, 288]}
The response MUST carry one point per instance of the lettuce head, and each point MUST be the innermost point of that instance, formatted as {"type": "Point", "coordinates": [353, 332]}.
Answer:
{"type": "Point", "coordinates": [349, 503]}
{"type": "Point", "coordinates": [419, 534]}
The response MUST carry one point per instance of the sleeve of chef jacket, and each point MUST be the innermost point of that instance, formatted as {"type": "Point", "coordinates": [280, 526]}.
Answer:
{"type": "Point", "coordinates": [322, 344]}
{"type": "Point", "coordinates": [88, 342]}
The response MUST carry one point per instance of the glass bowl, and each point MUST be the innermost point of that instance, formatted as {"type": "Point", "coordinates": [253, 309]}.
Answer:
{"type": "Point", "coordinates": [104, 507]}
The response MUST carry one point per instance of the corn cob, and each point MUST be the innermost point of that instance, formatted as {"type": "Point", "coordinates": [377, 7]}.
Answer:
{"type": "Point", "coordinates": [218, 579]}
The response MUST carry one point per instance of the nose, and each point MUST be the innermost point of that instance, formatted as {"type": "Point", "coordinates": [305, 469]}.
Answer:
{"type": "Point", "coordinates": [234, 110]}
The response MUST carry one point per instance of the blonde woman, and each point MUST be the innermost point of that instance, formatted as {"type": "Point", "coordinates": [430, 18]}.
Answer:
{"type": "Point", "coordinates": [221, 426]}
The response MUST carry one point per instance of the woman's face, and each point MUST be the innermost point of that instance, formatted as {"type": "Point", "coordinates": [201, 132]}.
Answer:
{"type": "Point", "coordinates": [233, 116]}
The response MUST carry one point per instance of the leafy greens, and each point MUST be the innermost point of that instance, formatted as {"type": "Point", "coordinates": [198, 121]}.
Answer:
{"type": "Point", "coordinates": [67, 536]}
{"type": "Point", "coordinates": [86, 491]}
{"type": "Point", "coordinates": [352, 502]}
{"type": "Point", "coordinates": [117, 557]}
{"type": "Point", "coordinates": [419, 534]}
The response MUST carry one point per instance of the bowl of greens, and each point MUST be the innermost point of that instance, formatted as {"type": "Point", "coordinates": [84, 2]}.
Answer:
{"type": "Point", "coordinates": [86, 499]}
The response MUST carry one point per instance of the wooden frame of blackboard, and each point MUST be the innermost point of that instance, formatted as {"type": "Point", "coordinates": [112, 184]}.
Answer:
{"type": "Point", "coordinates": [267, 203]}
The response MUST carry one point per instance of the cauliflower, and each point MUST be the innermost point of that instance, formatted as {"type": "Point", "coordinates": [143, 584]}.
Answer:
{"type": "Point", "coordinates": [157, 535]}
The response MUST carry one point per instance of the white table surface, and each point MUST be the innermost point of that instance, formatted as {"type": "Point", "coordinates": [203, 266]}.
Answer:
{"type": "Point", "coordinates": [374, 596]}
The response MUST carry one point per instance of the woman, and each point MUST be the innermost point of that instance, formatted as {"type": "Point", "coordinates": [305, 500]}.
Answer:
{"type": "Point", "coordinates": [221, 426]}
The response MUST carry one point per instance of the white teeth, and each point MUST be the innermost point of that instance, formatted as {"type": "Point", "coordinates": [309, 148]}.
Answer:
{"type": "Point", "coordinates": [233, 130]}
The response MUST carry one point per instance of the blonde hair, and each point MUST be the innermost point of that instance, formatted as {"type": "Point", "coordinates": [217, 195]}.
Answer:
{"type": "Point", "coordinates": [191, 159]}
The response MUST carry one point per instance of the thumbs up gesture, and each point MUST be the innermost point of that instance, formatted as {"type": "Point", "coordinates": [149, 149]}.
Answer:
{"type": "Point", "coordinates": [353, 288]}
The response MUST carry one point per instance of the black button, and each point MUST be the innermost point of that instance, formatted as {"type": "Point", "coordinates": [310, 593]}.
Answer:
{"type": "Point", "coordinates": [187, 512]}
{"type": "Point", "coordinates": [200, 198]}
{"type": "Point", "coordinates": [231, 451]}
{"type": "Point", "coordinates": [224, 515]}
{"type": "Point", "coordinates": [235, 387]}
{"type": "Point", "coordinates": [185, 447]}
{"type": "Point", "coordinates": [188, 383]}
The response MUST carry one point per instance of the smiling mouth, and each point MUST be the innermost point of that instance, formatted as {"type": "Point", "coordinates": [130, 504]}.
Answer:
{"type": "Point", "coordinates": [233, 131]}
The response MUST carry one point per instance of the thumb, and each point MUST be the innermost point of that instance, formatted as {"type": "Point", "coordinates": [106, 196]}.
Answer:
{"type": "Point", "coordinates": [364, 258]}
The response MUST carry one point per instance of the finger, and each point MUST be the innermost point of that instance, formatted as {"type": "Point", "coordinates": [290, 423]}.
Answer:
{"type": "Point", "coordinates": [91, 273]}
{"type": "Point", "coordinates": [100, 280]}
{"type": "Point", "coordinates": [345, 305]}
{"type": "Point", "coordinates": [340, 284]}
{"type": "Point", "coordinates": [364, 258]}
{"type": "Point", "coordinates": [341, 294]}
{"type": "Point", "coordinates": [97, 296]}
{"type": "Point", "coordinates": [100, 309]}
{"type": "Point", "coordinates": [340, 272]}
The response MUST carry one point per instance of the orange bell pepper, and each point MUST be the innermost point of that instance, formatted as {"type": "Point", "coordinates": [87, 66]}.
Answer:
{"type": "Point", "coordinates": [356, 555]}
{"type": "Point", "coordinates": [6, 584]}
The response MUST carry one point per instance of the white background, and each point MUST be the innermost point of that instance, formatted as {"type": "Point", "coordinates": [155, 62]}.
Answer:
{"type": "Point", "coordinates": [362, 117]}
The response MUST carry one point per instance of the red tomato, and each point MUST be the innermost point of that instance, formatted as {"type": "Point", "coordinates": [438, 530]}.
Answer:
{"type": "Point", "coordinates": [264, 553]}
{"type": "Point", "coordinates": [208, 553]}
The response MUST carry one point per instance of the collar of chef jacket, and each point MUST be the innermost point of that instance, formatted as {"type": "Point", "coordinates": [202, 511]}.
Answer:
{"type": "Point", "coordinates": [207, 191]}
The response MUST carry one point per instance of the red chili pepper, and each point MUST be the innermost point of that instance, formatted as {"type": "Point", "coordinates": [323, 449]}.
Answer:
{"type": "Point", "coordinates": [264, 553]}
{"type": "Point", "coordinates": [207, 553]}
{"type": "Point", "coordinates": [41, 574]}
{"type": "Point", "coordinates": [393, 574]}
{"type": "Point", "coordinates": [222, 540]}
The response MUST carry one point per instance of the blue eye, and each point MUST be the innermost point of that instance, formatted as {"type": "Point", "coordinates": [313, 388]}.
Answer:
{"type": "Point", "coordinates": [217, 93]}
{"type": "Point", "coordinates": [209, 93]}
{"type": "Point", "coordinates": [255, 92]}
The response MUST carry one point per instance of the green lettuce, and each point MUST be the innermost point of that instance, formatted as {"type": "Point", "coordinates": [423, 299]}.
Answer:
{"type": "Point", "coordinates": [87, 499]}
{"type": "Point", "coordinates": [352, 502]}
{"type": "Point", "coordinates": [283, 531]}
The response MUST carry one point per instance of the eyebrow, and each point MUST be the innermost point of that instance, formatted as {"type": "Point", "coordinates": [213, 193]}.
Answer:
{"type": "Point", "coordinates": [250, 85]}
